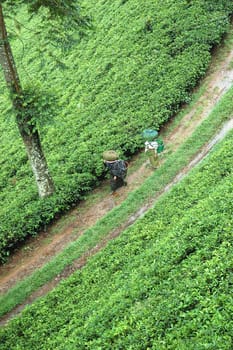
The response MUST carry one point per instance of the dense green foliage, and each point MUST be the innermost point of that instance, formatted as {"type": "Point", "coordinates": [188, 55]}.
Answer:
{"type": "Point", "coordinates": [133, 70]}
{"type": "Point", "coordinates": [126, 211]}
{"type": "Point", "coordinates": [166, 283]}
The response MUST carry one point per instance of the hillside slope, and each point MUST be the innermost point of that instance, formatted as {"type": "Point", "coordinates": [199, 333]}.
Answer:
{"type": "Point", "coordinates": [134, 70]}
{"type": "Point", "coordinates": [217, 82]}
{"type": "Point", "coordinates": [165, 283]}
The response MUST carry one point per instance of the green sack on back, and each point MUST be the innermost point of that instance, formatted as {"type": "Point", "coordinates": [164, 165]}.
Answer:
{"type": "Point", "coordinates": [160, 146]}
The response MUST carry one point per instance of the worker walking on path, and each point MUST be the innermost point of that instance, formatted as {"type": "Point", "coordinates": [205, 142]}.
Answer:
{"type": "Point", "coordinates": [117, 169]}
{"type": "Point", "coordinates": [151, 149]}
{"type": "Point", "coordinates": [153, 146]}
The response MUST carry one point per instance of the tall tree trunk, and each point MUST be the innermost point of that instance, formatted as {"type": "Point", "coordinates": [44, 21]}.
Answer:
{"type": "Point", "coordinates": [26, 126]}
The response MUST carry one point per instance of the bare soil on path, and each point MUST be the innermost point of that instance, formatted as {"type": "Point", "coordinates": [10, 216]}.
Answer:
{"type": "Point", "coordinates": [37, 251]}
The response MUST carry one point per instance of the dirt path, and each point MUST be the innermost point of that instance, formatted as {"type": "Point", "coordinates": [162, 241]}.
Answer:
{"type": "Point", "coordinates": [38, 251]}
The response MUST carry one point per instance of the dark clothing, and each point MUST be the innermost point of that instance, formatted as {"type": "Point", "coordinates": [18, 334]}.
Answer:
{"type": "Point", "coordinates": [116, 183]}
{"type": "Point", "coordinates": [118, 172]}
{"type": "Point", "coordinates": [117, 168]}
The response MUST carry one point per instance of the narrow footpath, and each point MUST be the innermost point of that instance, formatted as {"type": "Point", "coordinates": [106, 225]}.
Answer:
{"type": "Point", "coordinates": [38, 251]}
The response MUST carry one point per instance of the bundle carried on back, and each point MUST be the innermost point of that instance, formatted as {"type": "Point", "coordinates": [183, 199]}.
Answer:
{"type": "Point", "coordinates": [117, 169]}
{"type": "Point", "coordinates": [110, 155]}
{"type": "Point", "coordinates": [149, 134]}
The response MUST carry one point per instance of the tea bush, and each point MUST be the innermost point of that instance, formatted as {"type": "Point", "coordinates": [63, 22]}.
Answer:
{"type": "Point", "coordinates": [165, 283]}
{"type": "Point", "coordinates": [134, 69]}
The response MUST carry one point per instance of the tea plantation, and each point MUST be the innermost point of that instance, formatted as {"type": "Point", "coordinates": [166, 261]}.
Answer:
{"type": "Point", "coordinates": [134, 68]}
{"type": "Point", "coordinates": [165, 283]}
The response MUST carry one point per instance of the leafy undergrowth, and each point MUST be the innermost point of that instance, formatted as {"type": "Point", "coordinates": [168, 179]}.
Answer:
{"type": "Point", "coordinates": [165, 283]}
{"type": "Point", "coordinates": [135, 69]}
{"type": "Point", "coordinates": [157, 182]}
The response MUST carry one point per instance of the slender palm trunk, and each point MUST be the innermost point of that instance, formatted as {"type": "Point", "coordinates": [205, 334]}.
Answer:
{"type": "Point", "coordinates": [27, 128]}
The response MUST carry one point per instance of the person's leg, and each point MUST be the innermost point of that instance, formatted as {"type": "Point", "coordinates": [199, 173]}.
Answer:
{"type": "Point", "coordinates": [153, 157]}
{"type": "Point", "coordinates": [119, 182]}
{"type": "Point", "coordinates": [113, 184]}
